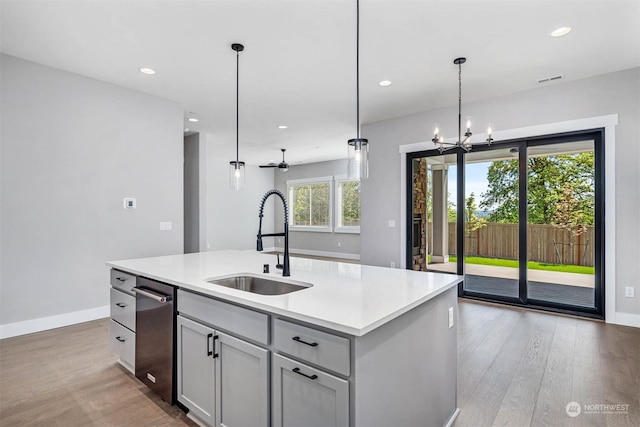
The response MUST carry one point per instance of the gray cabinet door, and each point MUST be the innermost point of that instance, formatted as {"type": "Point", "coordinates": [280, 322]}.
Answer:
{"type": "Point", "coordinates": [196, 368]}
{"type": "Point", "coordinates": [306, 397]}
{"type": "Point", "coordinates": [242, 387]}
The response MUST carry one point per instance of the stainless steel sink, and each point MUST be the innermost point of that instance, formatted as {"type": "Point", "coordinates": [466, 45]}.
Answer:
{"type": "Point", "coordinates": [259, 285]}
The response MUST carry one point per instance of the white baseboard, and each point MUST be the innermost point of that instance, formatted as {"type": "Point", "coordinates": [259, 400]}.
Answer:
{"type": "Point", "coordinates": [627, 319]}
{"type": "Point", "coordinates": [52, 322]}
{"type": "Point", "coordinates": [294, 251]}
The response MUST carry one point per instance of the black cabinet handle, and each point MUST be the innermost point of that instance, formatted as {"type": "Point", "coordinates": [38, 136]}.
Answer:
{"type": "Point", "coordinates": [297, 371]}
{"type": "Point", "coordinates": [215, 337]}
{"type": "Point", "coordinates": [120, 279]}
{"type": "Point", "coordinates": [310, 344]}
{"type": "Point", "coordinates": [120, 339]}
{"type": "Point", "coordinates": [209, 351]}
{"type": "Point", "coordinates": [121, 305]}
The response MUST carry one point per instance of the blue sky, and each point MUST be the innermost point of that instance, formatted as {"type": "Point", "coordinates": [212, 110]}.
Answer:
{"type": "Point", "coordinates": [476, 180]}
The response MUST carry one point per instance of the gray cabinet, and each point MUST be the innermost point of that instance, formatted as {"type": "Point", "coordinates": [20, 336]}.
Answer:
{"type": "Point", "coordinates": [223, 380]}
{"type": "Point", "coordinates": [242, 386]}
{"type": "Point", "coordinates": [307, 397]}
{"type": "Point", "coordinates": [196, 368]}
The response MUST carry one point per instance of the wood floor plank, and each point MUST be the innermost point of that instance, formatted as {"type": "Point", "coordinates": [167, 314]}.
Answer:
{"type": "Point", "coordinates": [557, 380]}
{"type": "Point", "coordinates": [517, 405]}
{"type": "Point", "coordinates": [484, 404]}
{"type": "Point", "coordinates": [471, 372]}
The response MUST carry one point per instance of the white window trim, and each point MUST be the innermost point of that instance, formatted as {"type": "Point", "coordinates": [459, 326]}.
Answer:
{"type": "Point", "coordinates": [305, 181]}
{"type": "Point", "coordinates": [350, 229]}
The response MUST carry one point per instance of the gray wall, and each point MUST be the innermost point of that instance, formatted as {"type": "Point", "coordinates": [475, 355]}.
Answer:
{"type": "Point", "coordinates": [602, 95]}
{"type": "Point", "coordinates": [72, 149]}
{"type": "Point", "coordinates": [232, 216]}
{"type": "Point", "coordinates": [314, 241]}
{"type": "Point", "coordinates": [192, 193]}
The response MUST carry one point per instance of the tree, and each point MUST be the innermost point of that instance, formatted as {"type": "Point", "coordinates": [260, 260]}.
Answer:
{"type": "Point", "coordinates": [546, 179]}
{"type": "Point", "coordinates": [471, 221]}
{"type": "Point", "coordinates": [350, 203]}
{"type": "Point", "coordinates": [569, 217]}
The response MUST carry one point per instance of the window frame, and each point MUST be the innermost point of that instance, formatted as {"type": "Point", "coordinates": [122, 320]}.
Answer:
{"type": "Point", "coordinates": [311, 181]}
{"type": "Point", "coordinates": [337, 205]}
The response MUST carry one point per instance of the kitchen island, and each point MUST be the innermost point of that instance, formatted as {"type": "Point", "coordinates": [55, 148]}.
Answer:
{"type": "Point", "coordinates": [358, 346]}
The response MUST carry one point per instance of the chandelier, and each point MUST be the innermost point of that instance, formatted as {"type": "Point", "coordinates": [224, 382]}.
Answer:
{"type": "Point", "coordinates": [464, 143]}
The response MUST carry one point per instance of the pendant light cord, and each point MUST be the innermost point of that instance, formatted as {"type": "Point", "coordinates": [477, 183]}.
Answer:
{"type": "Point", "coordinates": [460, 102]}
{"type": "Point", "coordinates": [358, 68]}
{"type": "Point", "coordinates": [237, 109]}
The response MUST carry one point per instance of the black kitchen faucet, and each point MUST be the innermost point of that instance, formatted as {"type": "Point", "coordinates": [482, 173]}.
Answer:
{"type": "Point", "coordinates": [285, 269]}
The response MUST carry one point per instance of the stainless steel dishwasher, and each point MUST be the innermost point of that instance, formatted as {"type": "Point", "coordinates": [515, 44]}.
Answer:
{"type": "Point", "coordinates": [155, 332]}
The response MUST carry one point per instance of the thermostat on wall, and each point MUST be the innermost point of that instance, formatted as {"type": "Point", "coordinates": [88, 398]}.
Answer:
{"type": "Point", "coordinates": [129, 203]}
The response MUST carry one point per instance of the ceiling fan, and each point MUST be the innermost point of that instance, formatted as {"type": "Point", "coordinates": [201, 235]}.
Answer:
{"type": "Point", "coordinates": [282, 166]}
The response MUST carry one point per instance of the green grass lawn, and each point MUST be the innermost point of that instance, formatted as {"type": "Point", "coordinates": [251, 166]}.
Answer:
{"type": "Point", "coordinates": [531, 265]}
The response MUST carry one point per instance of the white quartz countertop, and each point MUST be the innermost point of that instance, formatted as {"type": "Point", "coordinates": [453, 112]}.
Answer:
{"type": "Point", "coordinates": [350, 298]}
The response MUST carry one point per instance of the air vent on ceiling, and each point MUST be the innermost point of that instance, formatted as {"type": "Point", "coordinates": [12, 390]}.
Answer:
{"type": "Point", "coordinates": [549, 79]}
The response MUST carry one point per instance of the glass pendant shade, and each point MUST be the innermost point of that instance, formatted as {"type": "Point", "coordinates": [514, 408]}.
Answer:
{"type": "Point", "coordinates": [358, 160]}
{"type": "Point", "coordinates": [236, 175]}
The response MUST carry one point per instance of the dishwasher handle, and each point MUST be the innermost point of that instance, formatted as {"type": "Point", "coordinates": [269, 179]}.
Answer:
{"type": "Point", "coordinates": [153, 295]}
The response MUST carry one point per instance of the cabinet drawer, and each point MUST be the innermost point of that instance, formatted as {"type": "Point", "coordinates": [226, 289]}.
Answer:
{"type": "Point", "coordinates": [123, 343]}
{"type": "Point", "coordinates": [321, 348]}
{"type": "Point", "coordinates": [234, 319]}
{"type": "Point", "coordinates": [304, 396]}
{"type": "Point", "coordinates": [123, 309]}
{"type": "Point", "coordinates": [123, 281]}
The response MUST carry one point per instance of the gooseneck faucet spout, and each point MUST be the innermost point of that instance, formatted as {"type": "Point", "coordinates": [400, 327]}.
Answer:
{"type": "Point", "coordinates": [285, 270]}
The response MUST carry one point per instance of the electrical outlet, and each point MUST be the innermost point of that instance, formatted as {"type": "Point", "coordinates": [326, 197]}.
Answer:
{"type": "Point", "coordinates": [165, 226]}
{"type": "Point", "coordinates": [391, 223]}
{"type": "Point", "coordinates": [339, 244]}
{"type": "Point", "coordinates": [629, 292]}
{"type": "Point", "coordinates": [392, 264]}
{"type": "Point", "coordinates": [450, 317]}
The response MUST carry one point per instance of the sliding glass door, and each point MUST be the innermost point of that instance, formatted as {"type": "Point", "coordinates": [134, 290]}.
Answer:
{"type": "Point", "coordinates": [561, 223]}
{"type": "Point", "coordinates": [491, 229]}
{"type": "Point", "coordinates": [522, 220]}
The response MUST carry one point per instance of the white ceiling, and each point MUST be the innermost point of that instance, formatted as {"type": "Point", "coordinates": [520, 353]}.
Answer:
{"type": "Point", "coordinates": [298, 67]}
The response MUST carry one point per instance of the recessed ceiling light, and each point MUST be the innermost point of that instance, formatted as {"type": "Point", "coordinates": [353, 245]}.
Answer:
{"type": "Point", "coordinates": [283, 127]}
{"type": "Point", "coordinates": [562, 31]}
{"type": "Point", "coordinates": [193, 119]}
{"type": "Point", "coordinates": [385, 83]}
{"type": "Point", "coordinates": [147, 71]}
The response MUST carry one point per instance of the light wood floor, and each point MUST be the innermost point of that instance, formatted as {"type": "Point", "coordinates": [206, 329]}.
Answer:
{"type": "Point", "coordinates": [516, 368]}
{"type": "Point", "coordinates": [521, 368]}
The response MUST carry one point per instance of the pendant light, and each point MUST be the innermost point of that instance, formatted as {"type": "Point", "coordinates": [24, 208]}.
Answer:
{"type": "Point", "coordinates": [236, 167]}
{"type": "Point", "coordinates": [358, 164]}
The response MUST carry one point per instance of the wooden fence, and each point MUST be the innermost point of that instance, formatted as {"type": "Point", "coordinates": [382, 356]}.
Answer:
{"type": "Point", "coordinates": [546, 243]}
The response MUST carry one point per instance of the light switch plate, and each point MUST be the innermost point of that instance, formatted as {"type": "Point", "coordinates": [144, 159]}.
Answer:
{"type": "Point", "coordinates": [391, 223]}
{"type": "Point", "coordinates": [165, 226]}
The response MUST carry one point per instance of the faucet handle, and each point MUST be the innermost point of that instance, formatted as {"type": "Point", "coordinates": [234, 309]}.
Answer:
{"type": "Point", "coordinates": [278, 265]}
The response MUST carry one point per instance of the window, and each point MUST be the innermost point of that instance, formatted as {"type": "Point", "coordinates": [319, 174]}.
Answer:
{"type": "Point", "coordinates": [347, 205]}
{"type": "Point", "coordinates": [310, 204]}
